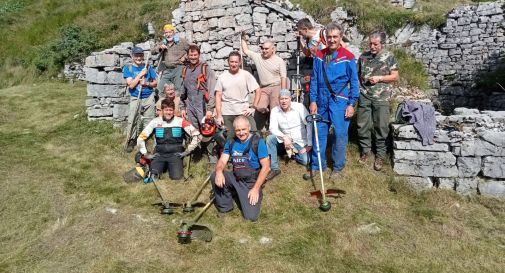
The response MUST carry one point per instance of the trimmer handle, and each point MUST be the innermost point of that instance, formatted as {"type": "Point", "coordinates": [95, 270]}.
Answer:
{"type": "Point", "coordinates": [314, 117]}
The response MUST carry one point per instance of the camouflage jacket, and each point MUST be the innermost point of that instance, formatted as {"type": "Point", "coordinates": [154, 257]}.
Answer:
{"type": "Point", "coordinates": [379, 65]}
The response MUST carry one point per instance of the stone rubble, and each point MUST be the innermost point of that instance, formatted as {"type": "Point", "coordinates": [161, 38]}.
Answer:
{"type": "Point", "coordinates": [468, 155]}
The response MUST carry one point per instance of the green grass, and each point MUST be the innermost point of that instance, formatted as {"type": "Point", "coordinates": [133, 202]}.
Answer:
{"type": "Point", "coordinates": [412, 72]}
{"type": "Point", "coordinates": [60, 174]}
{"type": "Point", "coordinates": [35, 33]}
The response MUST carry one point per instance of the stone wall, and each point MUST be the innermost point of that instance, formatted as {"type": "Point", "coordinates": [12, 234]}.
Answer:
{"type": "Point", "coordinates": [471, 43]}
{"type": "Point", "coordinates": [468, 155]}
{"type": "Point", "coordinates": [216, 25]}
{"type": "Point", "coordinates": [107, 96]}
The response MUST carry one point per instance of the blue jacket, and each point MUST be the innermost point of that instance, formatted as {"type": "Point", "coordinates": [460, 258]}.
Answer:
{"type": "Point", "coordinates": [341, 70]}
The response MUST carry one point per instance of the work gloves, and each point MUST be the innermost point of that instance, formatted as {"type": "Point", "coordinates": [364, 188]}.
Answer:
{"type": "Point", "coordinates": [182, 154]}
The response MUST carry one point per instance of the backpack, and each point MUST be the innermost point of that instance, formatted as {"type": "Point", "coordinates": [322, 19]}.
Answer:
{"type": "Point", "coordinates": [399, 119]}
{"type": "Point", "coordinates": [252, 145]}
{"type": "Point", "coordinates": [200, 81]}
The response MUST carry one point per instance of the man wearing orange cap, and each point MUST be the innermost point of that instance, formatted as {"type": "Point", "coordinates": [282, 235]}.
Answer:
{"type": "Point", "coordinates": [173, 50]}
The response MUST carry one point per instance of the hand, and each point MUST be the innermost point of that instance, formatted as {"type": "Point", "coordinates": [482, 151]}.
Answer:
{"type": "Point", "coordinates": [349, 111]}
{"type": "Point", "coordinates": [248, 112]}
{"type": "Point", "coordinates": [219, 120]}
{"type": "Point", "coordinates": [208, 115]}
{"type": "Point", "coordinates": [142, 82]}
{"type": "Point", "coordinates": [163, 47]}
{"type": "Point", "coordinates": [243, 35]}
{"type": "Point", "coordinates": [183, 114]}
{"type": "Point", "coordinates": [219, 180]}
{"type": "Point", "coordinates": [150, 156]}
{"type": "Point", "coordinates": [261, 110]}
{"type": "Point", "coordinates": [313, 108]}
{"type": "Point", "coordinates": [182, 155]}
{"type": "Point", "coordinates": [254, 196]}
{"type": "Point", "coordinates": [288, 143]}
{"type": "Point", "coordinates": [142, 73]}
{"type": "Point", "coordinates": [375, 79]}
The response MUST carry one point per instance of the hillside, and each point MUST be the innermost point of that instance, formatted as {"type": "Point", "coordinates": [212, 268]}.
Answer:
{"type": "Point", "coordinates": [65, 209]}
{"type": "Point", "coordinates": [38, 37]}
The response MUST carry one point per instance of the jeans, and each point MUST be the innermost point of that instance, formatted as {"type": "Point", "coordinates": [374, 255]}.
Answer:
{"type": "Point", "coordinates": [274, 145]}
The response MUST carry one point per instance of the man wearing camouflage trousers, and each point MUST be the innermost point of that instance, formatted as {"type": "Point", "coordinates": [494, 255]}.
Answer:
{"type": "Point", "coordinates": [378, 70]}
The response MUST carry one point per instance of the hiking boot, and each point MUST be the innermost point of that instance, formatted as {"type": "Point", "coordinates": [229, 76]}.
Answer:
{"type": "Point", "coordinates": [364, 158]}
{"type": "Point", "coordinates": [131, 145]}
{"type": "Point", "coordinates": [272, 174]}
{"type": "Point", "coordinates": [378, 164]}
{"type": "Point", "coordinates": [334, 175]}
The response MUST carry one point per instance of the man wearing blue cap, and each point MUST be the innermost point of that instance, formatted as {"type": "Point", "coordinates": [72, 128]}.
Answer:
{"type": "Point", "coordinates": [139, 78]}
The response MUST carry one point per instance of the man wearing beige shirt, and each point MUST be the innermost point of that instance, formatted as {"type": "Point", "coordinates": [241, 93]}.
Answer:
{"type": "Point", "coordinates": [272, 77]}
{"type": "Point", "coordinates": [233, 92]}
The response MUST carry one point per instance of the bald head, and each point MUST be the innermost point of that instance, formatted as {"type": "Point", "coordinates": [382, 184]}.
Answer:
{"type": "Point", "coordinates": [267, 49]}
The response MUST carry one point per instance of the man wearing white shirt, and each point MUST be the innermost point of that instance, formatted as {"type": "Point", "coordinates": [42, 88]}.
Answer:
{"type": "Point", "coordinates": [289, 132]}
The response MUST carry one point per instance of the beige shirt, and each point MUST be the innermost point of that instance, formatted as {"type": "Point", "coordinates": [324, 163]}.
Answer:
{"type": "Point", "coordinates": [237, 89]}
{"type": "Point", "coordinates": [271, 70]}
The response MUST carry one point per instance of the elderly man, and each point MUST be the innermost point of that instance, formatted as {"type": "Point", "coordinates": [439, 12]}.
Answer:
{"type": "Point", "coordinates": [169, 134]}
{"type": "Point", "coordinates": [289, 132]}
{"type": "Point", "coordinates": [173, 55]}
{"type": "Point", "coordinates": [331, 97]}
{"type": "Point", "coordinates": [249, 157]}
{"type": "Point", "coordinates": [233, 91]}
{"type": "Point", "coordinates": [378, 70]}
{"type": "Point", "coordinates": [272, 78]}
{"type": "Point", "coordinates": [138, 80]}
{"type": "Point", "coordinates": [169, 92]}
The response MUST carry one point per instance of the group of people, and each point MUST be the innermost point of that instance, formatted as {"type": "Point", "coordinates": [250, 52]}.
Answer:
{"type": "Point", "coordinates": [194, 99]}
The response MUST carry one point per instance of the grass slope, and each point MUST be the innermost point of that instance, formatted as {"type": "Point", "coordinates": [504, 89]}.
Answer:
{"type": "Point", "coordinates": [65, 208]}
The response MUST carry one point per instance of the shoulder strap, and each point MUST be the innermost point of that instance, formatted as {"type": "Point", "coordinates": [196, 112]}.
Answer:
{"type": "Point", "coordinates": [204, 71]}
{"type": "Point", "coordinates": [321, 35]}
{"type": "Point", "coordinates": [130, 68]}
{"type": "Point", "coordinates": [325, 76]}
{"type": "Point", "coordinates": [253, 144]}
{"type": "Point", "coordinates": [184, 72]}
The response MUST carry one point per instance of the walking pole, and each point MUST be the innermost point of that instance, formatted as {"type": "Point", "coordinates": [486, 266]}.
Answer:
{"type": "Point", "coordinates": [139, 103]}
{"type": "Point", "coordinates": [241, 54]}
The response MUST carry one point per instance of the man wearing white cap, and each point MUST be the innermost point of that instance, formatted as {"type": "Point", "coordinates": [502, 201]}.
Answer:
{"type": "Point", "coordinates": [290, 132]}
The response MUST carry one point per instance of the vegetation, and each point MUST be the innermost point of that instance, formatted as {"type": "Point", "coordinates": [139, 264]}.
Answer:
{"type": "Point", "coordinates": [66, 209]}
{"type": "Point", "coordinates": [412, 71]}
{"type": "Point", "coordinates": [39, 36]}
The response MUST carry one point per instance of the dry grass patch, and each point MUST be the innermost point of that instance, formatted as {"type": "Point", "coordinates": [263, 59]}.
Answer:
{"type": "Point", "coordinates": [66, 209]}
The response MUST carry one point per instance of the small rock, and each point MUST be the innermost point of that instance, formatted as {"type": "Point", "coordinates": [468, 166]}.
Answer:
{"type": "Point", "coordinates": [265, 240]}
{"type": "Point", "coordinates": [244, 240]}
{"type": "Point", "coordinates": [111, 210]}
{"type": "Point", "coordinates": [372, 228]}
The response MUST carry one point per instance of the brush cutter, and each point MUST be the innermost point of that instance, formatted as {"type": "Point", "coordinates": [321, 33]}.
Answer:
{"type": "Point", "coordinates": [189, 206]}
{"type": "Point", "coordinates": [296, 78]}
{"type": "Point", "coordinates": [324, 205]}
{"type": "Point", "coordinates": [135, 122]}
{"type": "Point", "coordinates": [189, 230]}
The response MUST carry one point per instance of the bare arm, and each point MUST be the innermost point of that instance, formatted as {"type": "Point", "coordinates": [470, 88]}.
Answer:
{"type": "Point", "coordinates": [284, 83]}
{"type": "Point", "coordinates": [257, 96]}
{"type": "Point", "coordinates": [221, 164]}
{"type": "Point", "coordinates": [219, 97]}
{"type": "Point", "coordinates": [244, 46]}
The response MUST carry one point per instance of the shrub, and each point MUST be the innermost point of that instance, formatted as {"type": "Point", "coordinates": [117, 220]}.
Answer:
{"type": "Point", "coordinates": [412, 72]}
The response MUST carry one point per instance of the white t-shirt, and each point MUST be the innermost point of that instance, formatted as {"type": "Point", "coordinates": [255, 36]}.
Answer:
{"type": "Point", "coordinates": [236, 89]}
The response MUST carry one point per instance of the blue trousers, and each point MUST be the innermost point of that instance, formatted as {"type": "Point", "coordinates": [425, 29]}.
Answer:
{"type": "Point", "coordinates": [334, 111]}
{"type": "Point", "coordinates": [274, 146]}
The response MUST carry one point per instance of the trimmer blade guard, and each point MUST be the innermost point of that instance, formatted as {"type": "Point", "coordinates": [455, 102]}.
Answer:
{"type": "Point", "coordinates": [314, 117]}
{"type": "Point", "coordinates": [188, 233]}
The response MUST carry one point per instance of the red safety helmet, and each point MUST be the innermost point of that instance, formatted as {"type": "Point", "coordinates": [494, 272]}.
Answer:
{"type": "Point", "coordinates": [208, 127]}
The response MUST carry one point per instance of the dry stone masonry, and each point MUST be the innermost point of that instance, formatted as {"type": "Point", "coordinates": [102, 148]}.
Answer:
{"type": "Point", "coordinates": [468, 155]}
{"type": "Point", "coordinates": [471, 43]}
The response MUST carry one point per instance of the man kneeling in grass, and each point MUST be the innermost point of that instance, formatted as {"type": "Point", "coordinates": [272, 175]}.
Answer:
{"type": "Point", "coordinates": [249, 157]}
{"type": "Point", "coordinates": [290, 132]}
{"type": "Point", "coordinates": [169, 134]}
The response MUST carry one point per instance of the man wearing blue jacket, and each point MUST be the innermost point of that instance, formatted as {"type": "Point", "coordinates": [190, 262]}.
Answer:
{"type": "Point", "coordinates": [334, 91]}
